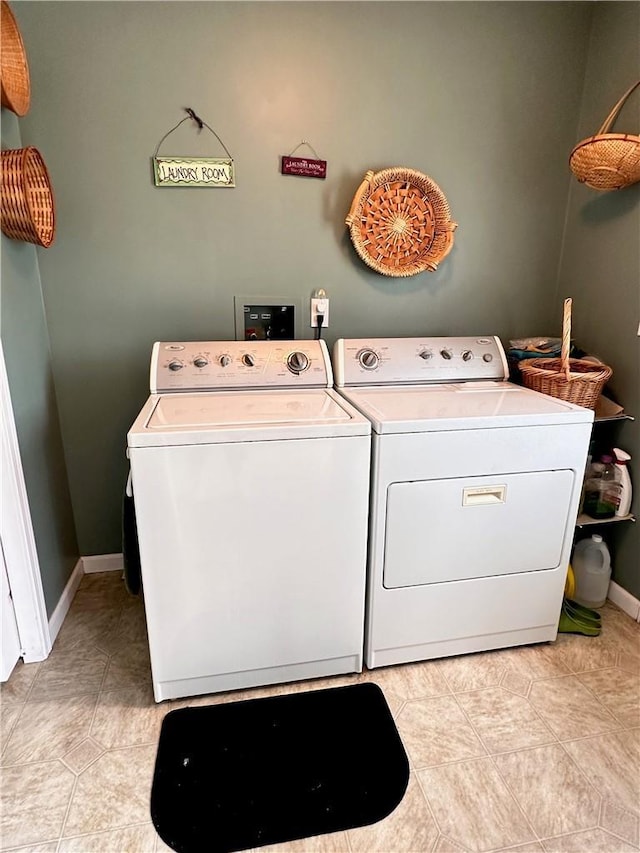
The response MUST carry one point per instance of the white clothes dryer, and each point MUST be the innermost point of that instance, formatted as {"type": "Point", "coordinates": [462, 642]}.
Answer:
{"type": "Point", "coordinates": [475, 490]}
{"type": "Point", "coordinates": [251, 482]}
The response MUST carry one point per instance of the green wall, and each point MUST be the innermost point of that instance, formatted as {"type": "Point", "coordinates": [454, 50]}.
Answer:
{"type": "Point", "coordinates": [25, 342]}
{"type": "Point", "coordinates": [484, 97]}
{"type": "Point", "coordinates": [601, 258]}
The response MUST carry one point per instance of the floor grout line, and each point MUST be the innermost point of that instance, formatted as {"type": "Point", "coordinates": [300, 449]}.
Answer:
{"type": "Point", "coordinates": [574, 832]}
{"type": "Point", "coordinates": [601, 702]}
{"type": "Point", "coordinates": [7, 738]}
{"type": "Point", "coordinates": [21, 847]}
{"type": "Point", "coordinates": [583, 772]}
{"type": "Point", "coordinates": [68, 809]}
{"type": "Point", "coordinates": [439, 831]}
{"type": "Point", "coordinates": [497, 769]}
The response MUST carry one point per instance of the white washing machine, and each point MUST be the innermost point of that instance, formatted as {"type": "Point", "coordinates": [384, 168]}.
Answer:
{"type": "Point", "coordinates": [251, 486]}
{"type": "Point", "coordinates": [475, 489]}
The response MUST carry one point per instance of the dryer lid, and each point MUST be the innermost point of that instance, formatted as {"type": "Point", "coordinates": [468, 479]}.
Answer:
{"type": "Point", "coordinates": [473, 405]}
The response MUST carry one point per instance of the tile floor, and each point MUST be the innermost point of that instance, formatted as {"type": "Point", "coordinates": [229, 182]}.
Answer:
{"type": "Point", "coordinates": [529, 749]}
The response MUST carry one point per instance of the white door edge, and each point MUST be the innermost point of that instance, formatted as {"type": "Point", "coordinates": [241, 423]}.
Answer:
{"type": "Point", "coordinates": [18, 541]}
{"type": "Point", "coordinates": [11, 650]}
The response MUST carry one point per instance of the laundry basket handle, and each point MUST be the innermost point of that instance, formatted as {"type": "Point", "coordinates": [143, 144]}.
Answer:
{"type": "Point", "coordinates": [566, 338]}
{"type": "Point", "coordinates": [608, 122]}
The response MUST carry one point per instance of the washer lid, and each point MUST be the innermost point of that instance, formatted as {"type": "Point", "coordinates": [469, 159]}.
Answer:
{"type": "Point", "coordinates": [208, 418]}
{"type": "Point", "coordinates": [473, 405]}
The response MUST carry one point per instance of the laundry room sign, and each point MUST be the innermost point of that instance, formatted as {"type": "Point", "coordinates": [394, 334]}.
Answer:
{"type": "Point", "coordinates": [305, 167]}
{"type": "Point", "coordinates": [193, 172]}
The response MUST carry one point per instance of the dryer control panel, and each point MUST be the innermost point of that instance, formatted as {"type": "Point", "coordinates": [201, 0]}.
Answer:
{"type": "Point", "coordinates": [232, 365]}
{"type": "Point", "coordinates": [416, 361]}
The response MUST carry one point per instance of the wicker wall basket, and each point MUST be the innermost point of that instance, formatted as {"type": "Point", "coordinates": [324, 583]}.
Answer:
{"type": "Point", "coordinates": [608, 161]}
{"type": "Point", "coordinates": [400, 222]}
{"type": "Point", "coordinates": [26, 204]}
{"type": "Point", "coordinates": [15, 84]}
{"type": "Point", "coordinates": [572, 379]}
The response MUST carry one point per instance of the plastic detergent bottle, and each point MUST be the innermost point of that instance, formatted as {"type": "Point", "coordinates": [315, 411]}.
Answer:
{"type": "Point", "coordinates": [592, 569]}
{"type": "Point", "coordinates": [624, 479]}
{"type": "Point", "coordinates": [602, 490]}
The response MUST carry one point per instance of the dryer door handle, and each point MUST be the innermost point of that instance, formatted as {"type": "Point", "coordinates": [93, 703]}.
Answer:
{"type": "Point", "coordinates": [484, 495]}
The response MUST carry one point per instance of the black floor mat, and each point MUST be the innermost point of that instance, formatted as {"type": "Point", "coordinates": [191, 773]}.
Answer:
{"type": "Point", "coordinates": [265, 771]}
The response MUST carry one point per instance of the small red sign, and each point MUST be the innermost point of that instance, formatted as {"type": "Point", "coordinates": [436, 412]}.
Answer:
{"type": "Point", "coordinates": [304, 167]}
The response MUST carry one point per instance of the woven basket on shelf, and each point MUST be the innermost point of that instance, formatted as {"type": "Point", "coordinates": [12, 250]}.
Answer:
{"type": "Point", "coordinates": [608, 161]}
{"type": "Point", "coordinates": [400, 222]}
{"type": "Point", "coordinates": [572, 379]}
{"type": "Point", "coordinates": [26, 203]}
{"type": "Point", "coordinates": [14, 72]}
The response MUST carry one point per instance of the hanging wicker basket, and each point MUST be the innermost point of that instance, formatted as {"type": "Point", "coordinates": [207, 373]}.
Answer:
{"type": "Point", "coordinates": [26, 205]}
{"type": "Point", "coordinates": [574, 380]}
{"type": "Point", "coordinates": [15, 83]}
{"type": "Point", "coordinates": [608, 161]}
{"type": "Point", "coordinates": [400, 222]}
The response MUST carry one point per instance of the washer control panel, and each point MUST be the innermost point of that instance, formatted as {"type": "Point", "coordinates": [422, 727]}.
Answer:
{"type": "Point", "coordinates": [414, 361]}
{"type": "Point", "coordinates": [218, 365]}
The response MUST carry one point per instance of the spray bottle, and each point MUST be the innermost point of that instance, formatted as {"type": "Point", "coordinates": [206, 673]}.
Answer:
{"type": "Point", "coordinates": [624, 479]}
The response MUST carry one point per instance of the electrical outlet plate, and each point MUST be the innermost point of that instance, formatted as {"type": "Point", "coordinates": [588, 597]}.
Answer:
{"type": "Point", "coordinates": [315, 304]}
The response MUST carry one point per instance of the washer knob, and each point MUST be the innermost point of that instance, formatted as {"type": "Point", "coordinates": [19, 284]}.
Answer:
{"type": "Point", "coordinates": [200, 361]}
{"type": "Point", "coordinates": [224, 360]}
{"type": "Point", "coordinates": [467, 355]}
{"type": "Point", "coordinates": [487, 357]}
{"type": "Point", "coordinates": [425, 354]}
{"type": "Point", "coordinates": [248, 360]}
{"type": "Point", "coordinates": [446, 353]}
{"type": "Point", "coordinates": [175, 365]}
{"type": "Point", "coordinates": [368, 359]}
{"type": "Point", "coordinates": [297, 362]}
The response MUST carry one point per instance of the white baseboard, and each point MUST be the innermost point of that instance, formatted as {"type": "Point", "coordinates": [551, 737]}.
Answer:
{"type": "Point", "coordinates": [103, 563]}
{"type": "Point", "coordinates": [62, 607]}
{"type": "Point", "coordinates": [84, 566]}
{"type": "Point", "coordinates": [624, 600]}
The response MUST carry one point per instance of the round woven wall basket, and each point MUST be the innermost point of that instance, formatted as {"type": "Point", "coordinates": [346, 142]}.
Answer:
{"type": "Point", "coordinates": [608, 161]}
{"type": "Point", "coordinates": [26, 204]}
{"type": "Point", "coordinates": [400, 222]}
{"type": "Point", "coordinates": [15, 83]}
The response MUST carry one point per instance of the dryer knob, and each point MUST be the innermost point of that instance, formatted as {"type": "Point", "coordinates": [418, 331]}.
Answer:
{"type": "Point", "coordinates": [200, 361]}
{"type": "Point", "coordinates": [224, 360]}
{"type": "Point", "coordinates": [446, 353]}
{"type": "Point", "coordinates": [368, 359]}
{"type": "Point", "coordinates": [297, 362]}
{"type": "Point", "coordinates": [425, 354]}
{"type": "Point", "coordinates": [175, 365]}
{"type": "Point", "coordinates": [248, 360]}
{"type": "Point", "coordinates": [467, 355]}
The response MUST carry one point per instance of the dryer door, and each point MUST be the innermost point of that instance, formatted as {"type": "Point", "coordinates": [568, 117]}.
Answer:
{"type": "Point", "coordinates": [473, 527]}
